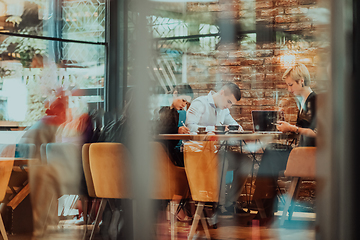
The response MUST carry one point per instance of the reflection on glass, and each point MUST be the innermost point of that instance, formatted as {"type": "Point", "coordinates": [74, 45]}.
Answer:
{"type": "Point", "coordinates": [197, 48]}
{"type": "Point", "coordinates": [77, 20]}
{"type": "Point", "coordinates": [29, 77]}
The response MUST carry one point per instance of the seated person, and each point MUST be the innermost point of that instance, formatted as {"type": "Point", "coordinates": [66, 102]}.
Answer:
{"type": "Point", "coordinates": [208, 111]}
{"type": "Point", "coordinates": [275, 158]}
{"type": "Point", "coordinates": [172, 121]}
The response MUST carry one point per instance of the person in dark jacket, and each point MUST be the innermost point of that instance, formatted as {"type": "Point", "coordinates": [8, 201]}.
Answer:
{"type": "Point", "coordinates": [172, 121]}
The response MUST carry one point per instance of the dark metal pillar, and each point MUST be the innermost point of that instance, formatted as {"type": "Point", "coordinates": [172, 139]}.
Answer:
{"type": "Point", "coordinates": [116, 38]}
{"type": "Point", "coordinates": [54, 29]}
{"type": "Point", "coordinates": [350, 164]}
{"type": "Point", "coordinates": [338, 161]}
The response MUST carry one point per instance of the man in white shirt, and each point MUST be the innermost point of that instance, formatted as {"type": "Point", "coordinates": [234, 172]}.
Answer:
{"type": "Point", "coordinates": [213, 109]}
{"type": "Point", "coordinates": [208, 111]}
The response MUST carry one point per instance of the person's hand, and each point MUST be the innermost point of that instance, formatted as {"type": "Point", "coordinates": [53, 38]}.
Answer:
{"type": "Point", "coordinates": [226, 128]}
{"type": "Point", "coordinates": [183, 130]}
{"type": "Point", "coordinates": [285, 127]}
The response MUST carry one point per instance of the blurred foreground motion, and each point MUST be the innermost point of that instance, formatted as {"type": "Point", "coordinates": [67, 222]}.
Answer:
{"type": "Point", "coordinates": [58, 138]}
{"type": "Point", "coordinates": [163, 119]}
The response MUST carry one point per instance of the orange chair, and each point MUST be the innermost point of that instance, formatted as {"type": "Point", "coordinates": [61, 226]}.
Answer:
{"type": "Point", "coordinates": [170, 181]}
{"type": "Point", "coordinates": [86, 168]}
{"type": "Point", "coordinates": [202, 171]}
{"type": "Point", "coordinates": [106, 170]}
{"type": "Point", "coordinates": [6, 166]}
{"type": "Point", "coordinates": [301, 164]}
{"type": "Point", "coordinates": [89, 183]}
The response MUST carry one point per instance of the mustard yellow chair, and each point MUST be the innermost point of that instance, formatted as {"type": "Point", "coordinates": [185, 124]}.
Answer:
{"type": "Point", "coordinates": [301, 164]}
{"type": "Point", "coordinates": [89, 184]}
{"type": "Point", "coordinates": [6, 166]}
{"type": "Point", "coordinates": [86, 168]}
{"type": "Point", "coordinates": [202, 171]}
{"type": "Point", "coordinates": [110, 170]}
{"type": "Point", "coordinates": [107, 170]}
{"type": "Point", "coordinates": [107, 173]}
{"type": "Point", "coordinates": [170, 181]}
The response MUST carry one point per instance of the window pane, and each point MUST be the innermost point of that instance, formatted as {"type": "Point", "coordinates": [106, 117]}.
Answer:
{"type": "Point", "coordinates": [30, 76]}
{"type": "Point", "coordinates": [78, 19]}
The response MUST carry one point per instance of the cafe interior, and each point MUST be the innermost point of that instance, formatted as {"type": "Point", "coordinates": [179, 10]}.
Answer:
{"type": "Point", "coordinates": [179, 119]}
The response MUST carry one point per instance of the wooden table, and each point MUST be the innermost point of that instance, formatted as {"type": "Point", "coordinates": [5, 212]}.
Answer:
{"type": "Point", "coordinates": [9, 125]}
{"type": "Point", "coordinates": [220, 137]}
{"type": "Point", "coordinates": [18, 193]}
{"type": "Point", "coordinates": [263, 138]}
{"type": "Point", "coordinates": [259, 140]}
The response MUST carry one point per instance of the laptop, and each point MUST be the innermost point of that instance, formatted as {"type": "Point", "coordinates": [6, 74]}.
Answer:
{"type": "Point", "coordinates": [263, 120]}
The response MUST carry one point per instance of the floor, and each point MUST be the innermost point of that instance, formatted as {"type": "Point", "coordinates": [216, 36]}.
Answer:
{"type": "Point", "coordinates": [231, 228]}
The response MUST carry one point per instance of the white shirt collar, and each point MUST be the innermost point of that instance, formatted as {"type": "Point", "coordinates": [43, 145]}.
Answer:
{"type": "Point", "coordinates": [211, 99]}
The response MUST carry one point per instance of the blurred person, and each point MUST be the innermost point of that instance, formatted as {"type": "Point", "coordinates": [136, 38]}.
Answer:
{"type": "Point", "coordinates": [61, 172]}
{"type": "Point", "coordinates": [208, 111]}
{"type": "Point", "coordinates": [275, 157]}
{"type": "Point", "coordinates": [41, 178]}
{"type": "Point", "coordinates": [172, 121]}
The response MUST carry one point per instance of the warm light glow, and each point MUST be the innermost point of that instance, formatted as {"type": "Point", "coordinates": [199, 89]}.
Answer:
{"type": "Point", "coordinates": [2, 9]}
{"type": "Point", "coordinates": [288, 60]}
{"type": "Point", "coordinates": [305, 61]}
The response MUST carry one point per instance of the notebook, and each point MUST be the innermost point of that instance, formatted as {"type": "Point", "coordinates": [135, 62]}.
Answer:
{"type": "Point", "coordinates": [263, 120]}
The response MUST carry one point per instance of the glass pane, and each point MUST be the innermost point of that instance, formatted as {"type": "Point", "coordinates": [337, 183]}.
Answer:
{"type": "Point", "coordinates": [82, 20]}
{"type": "Point", "coordinates": [30, 77]}
{"type": "Point", "coordinates": [205, 45]}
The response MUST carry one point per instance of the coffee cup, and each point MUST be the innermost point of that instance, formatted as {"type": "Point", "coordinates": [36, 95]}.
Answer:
{"type": "Point", "coordinates": [201, 129]}
{"type": "Point", "coordinates": [233, 127]}
{"type": "Point", "coordinates": [220, 128]}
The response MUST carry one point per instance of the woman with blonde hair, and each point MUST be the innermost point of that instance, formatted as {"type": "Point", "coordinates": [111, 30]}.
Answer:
{"type": "Point", "coordinates": [275, 157]}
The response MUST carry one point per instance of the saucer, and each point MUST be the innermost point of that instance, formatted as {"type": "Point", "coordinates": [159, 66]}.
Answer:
{"type": "Point", "coordinates": [219, 132]}
{"type": "Point", "coordinates": [246, 132]}
{"type": "Point", "coordinates": [239, 132]}
{"type": "Point", "coordinates": [202, 132]}
{"type": "Point", "coordinates": [234, 132]}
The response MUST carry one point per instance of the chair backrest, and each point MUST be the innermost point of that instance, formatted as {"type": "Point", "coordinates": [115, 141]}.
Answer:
{"type": "Point", "coordinates": [86, 168]}
{"type": "Point", "coordinates": [169, 179]}
{"type": "Point", "coordinates": [301, 162]}
{"type": "Point", "coordinates": [65, 158]}
{"type": "Point", "coordinates": [202, 170]}
{"type": "Point", "coordinates": [110, 170]}
{"type": "Point", "coordinates": [6, 166]}
{"type": "Point", "coordinates": [25, 150]}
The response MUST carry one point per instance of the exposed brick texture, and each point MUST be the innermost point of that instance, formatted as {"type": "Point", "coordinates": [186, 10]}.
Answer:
{"type": "Point", "coordinates": [267, 4]}
{"type": "Point", "coordinates": [258, 68]}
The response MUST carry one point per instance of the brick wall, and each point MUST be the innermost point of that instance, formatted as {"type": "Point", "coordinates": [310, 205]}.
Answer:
{"type": "Point", "coordinates": [257, 68]}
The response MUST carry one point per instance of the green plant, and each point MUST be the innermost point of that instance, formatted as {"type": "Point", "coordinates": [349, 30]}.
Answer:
{"type": "Point", "coordinates": [25, 48]}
